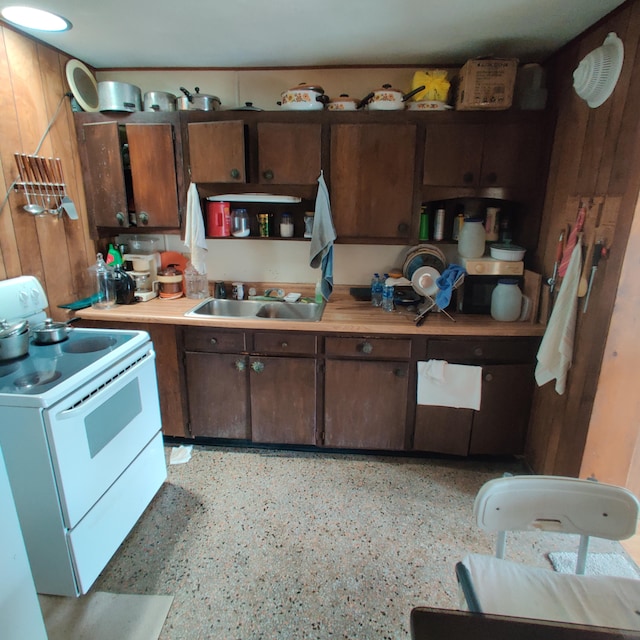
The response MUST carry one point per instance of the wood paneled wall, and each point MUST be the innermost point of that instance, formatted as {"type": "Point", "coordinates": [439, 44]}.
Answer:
{"type": "Point", "coordinates": [596, 159]}
{"type": "Point", "coordinates": [56, 250]}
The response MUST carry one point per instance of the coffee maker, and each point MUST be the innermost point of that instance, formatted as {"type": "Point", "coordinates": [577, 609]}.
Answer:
{"type": "Point", "coordinates": [143, 268]}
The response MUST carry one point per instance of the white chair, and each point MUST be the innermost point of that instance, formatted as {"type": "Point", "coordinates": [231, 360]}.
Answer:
{"type": "Point", "coordinates": [494, 585]}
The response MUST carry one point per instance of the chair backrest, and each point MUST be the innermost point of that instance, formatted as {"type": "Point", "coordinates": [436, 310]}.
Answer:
{"type": "Point", "coordinates": [559, 504]}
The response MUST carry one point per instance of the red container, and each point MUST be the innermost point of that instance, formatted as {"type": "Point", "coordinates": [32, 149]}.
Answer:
{"type": "Point", "coordinates": [218, 219]}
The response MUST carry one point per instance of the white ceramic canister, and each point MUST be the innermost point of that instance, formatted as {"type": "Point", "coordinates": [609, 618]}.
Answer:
{"type": "Point", "coordinates": [472, 238]}
{"type": "Point", "coordinates": [507, 301]}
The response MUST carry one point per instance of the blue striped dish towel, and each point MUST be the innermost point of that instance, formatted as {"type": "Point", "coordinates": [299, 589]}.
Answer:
{"type": "Point", "coordinates": [324, 233]}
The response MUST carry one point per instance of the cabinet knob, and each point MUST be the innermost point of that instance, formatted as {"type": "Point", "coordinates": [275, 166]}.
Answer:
{"type": "Point", "coordinates": [240, 365]}
{"type": "Point", "coordinates": [268, 174]}
{"type": "Point", "coordinates": [366, 347]}
{"type": "Point", "coordinates": [488, 377]}
{"type": "Point", "coordinates": [235, 174]}
{"type": "Point", "coordinates": [284, 345]}
{"type": "Point", "coordinates": [467, 178]}
{"type": "Point", "coordinates": [477, 351]}
{"type": "Point", "coordinates": [403, 228]}
{"type": "Point", "coordinates": [143, 216]}
{"type": "Point", "coordinates": [120, 218]}
{"type": "Point", "coordinates": [257, 366]}
{"type": "Point", "coordinates": [400, 372]}
{"type": "Point", "coordinates": [213, 341]}
{"type": "Point", "coordinates": [492, 177]}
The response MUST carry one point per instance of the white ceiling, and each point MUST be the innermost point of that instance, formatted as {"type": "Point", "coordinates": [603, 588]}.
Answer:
{"type": "Point", "coordinates": [275, 33]}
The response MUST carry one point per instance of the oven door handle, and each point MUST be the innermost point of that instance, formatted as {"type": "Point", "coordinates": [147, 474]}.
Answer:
{"type": "Point", "coordinates": [92, 396]}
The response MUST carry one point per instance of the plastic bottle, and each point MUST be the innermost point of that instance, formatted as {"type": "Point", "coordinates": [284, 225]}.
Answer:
{"type": "Point", "coordinates": [507, 301]}
{"type": "Point", "coordinates": [472, 238]}
{"type": "Point", "coordinates": [113, 256]}
{"type": "Point", "coordinates": [319, 296]}
{"type": "Point", "coordinates": [376, 290]}
{"type": "Point", "coordinates": [438, 230]}
{"type": "Point", "coordinates": [424, 224]}
{"type": "Point", "coordinates": [387, 297]}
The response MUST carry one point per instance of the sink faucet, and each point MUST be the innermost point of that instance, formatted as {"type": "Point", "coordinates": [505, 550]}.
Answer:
{"type": "Point", "coordinates": [279, 292]}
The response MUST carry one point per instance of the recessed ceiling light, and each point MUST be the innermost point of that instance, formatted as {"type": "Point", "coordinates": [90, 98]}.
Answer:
{"type": "Point", "coordinates": [35, 19]}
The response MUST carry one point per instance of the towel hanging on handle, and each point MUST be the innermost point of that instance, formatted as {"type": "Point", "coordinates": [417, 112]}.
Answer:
{"type": "Point", "coordinates": [571, 241]}
{"type": "Point", "coordinates": [321, 251]}
{"type": "Point", "coordinates": [194, 235]}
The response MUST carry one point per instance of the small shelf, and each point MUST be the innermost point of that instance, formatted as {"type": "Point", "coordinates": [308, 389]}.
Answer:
{"type": "Point", "coordinates": [255, 197]}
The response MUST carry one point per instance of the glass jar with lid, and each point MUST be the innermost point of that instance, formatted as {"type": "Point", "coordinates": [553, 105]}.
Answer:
{"type": "Point", "coordinates": [240, 223]}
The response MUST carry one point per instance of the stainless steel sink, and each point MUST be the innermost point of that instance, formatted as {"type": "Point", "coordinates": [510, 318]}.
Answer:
{"type": "Point", "coordinates": [219, 308]}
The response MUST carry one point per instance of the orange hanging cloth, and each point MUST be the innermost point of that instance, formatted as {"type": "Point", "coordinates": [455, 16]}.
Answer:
{"type": "Point", "coordinates": [571, 241]}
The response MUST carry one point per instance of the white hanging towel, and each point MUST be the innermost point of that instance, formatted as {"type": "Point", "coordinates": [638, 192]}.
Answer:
{"type": "Point", "coordinates": [449, 385]}
{"type": "Point", "coordinates": [556, 349]}
{"type": "Point", "coordinates": [323, 235]}
{"type": "Point", "coordinates": [194, 236]}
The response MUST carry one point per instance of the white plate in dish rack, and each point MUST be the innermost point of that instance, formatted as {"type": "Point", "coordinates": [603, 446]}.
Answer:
{"type": "Point", "coordinates": [424, 281]}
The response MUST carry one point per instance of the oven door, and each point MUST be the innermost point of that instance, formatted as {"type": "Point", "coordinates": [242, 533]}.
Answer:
{"type": "Point", "coordinates": [97, 432]}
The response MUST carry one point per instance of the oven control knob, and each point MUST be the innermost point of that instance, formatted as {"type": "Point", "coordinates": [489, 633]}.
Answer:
{"type": "Point", "coordinates": [24, 298]}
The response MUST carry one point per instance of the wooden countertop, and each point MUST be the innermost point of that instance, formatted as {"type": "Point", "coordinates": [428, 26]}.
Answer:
{"type": "Point", "coordinates": [342, 315]}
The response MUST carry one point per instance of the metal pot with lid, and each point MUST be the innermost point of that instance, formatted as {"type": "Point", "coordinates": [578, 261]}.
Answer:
{"type": "Point", "coordinates": [304, 97]}
{"type": "Point", "coordinates": [197, 102]}
{"type": "Point", "coordinates": [159, 101]}
{"type": "Point", "coordinates": [14, 339]}
{"type": "Point", "coordinates": [387, 98]}
{"type": "Point", "coordinates": [51, 332]}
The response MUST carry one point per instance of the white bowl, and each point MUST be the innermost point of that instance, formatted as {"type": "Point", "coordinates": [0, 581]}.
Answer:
{"type": "Point", "coordinates": [424, 281]}
{"type": "Point", "coordinates": [508, 252]}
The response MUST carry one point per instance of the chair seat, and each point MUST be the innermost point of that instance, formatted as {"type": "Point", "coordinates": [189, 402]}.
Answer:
{"type": "Point", "coordinates": [493, 585]}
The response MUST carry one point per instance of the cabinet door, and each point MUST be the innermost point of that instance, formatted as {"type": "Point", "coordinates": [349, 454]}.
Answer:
{"type": "Point", "coordinates": [500, 426]}
{"type": "Point", "coordinates": [453, 155]}
{"type": "Point", "coordinates": [283, 400]}
{"type": "Point", "coordinates": [153, 174]}
{"type": "Point", "coordinates": [218, 395]}
{"type": "Point", "coordinates": [511, 155]}
{"type": "Point", "coordinates": [372, 178]}
{"type": "Point", "coordinates": [217, 151]}
{"type": "Point", "coordinates": [289, 153]}
{"type": "Point", "coordinates": [365, 404]}
{"type": "Point", "coordinates": [105, 189]}
{"type": "Point", "coordinates": [442, 430]}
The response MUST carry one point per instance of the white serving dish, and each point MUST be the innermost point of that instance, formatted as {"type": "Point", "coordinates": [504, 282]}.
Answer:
{"type": "Point", "coordinates": [508, 252]}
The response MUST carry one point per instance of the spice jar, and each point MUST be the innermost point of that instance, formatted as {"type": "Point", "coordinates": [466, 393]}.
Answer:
{"type": "Point", "coordinates": [286, 226]}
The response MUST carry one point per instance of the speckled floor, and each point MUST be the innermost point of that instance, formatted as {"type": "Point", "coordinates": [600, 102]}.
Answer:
{"type": "Point", "coordinates": [262, 544]}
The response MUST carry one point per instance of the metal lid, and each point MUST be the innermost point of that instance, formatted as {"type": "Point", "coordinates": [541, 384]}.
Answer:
{"type": "Point", "coordinates": [8, 329]}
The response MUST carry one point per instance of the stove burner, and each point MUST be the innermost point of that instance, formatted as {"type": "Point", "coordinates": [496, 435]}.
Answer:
{"type": "Point", "coordinates": [6, 369]}
{"type": "Point", "coordinates": [88, 345]}
{"type": "Point", "coordinates": [36, 379]}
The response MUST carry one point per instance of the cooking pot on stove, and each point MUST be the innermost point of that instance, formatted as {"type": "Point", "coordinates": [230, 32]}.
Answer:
{"type": "Point", "coordinates": [51, 332]}
{"type": "Point", "coordinates": [14, 339]}
{"type": "Point", "coordinates": [197, 102]}
{"type": "Point", "coordinates": [387, 98]}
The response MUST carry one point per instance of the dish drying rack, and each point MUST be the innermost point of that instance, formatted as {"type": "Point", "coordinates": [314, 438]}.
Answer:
{"type": "Point", "coordinates": [42, 181]}
{"type": "Point", "coordinates": [430, 304]}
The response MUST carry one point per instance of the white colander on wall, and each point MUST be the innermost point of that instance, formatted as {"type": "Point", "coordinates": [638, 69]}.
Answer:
{"type": "Point", "coordinates": [597, 74]}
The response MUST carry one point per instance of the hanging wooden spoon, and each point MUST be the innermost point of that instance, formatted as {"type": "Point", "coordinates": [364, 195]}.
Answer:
{"type": "Point", "coordinates": [583, 285]}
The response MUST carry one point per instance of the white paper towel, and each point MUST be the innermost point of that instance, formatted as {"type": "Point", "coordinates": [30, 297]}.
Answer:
{"type": "Point", "coordinates": [181, 454]}
{"type": "Point", "coordinates": [194, 233]}
{"type": "Point", "coordinates": [449, 385]}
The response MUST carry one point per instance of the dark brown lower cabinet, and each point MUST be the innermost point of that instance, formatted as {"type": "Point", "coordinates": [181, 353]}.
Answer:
{"type": "Point", "coordinates": [283, 400]}
{"type": "Point", "coordinates": [500, 426]}
{"type": "Point", "coordinates": [365, 404]}
{"type": "Point", "coordinates": [218, 394]}
{"type": "Point", "coordinates": [443, 430]}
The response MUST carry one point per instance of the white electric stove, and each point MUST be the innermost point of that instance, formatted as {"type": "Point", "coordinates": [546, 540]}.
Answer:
{"type": "Point", "coordinates": [81, 434]}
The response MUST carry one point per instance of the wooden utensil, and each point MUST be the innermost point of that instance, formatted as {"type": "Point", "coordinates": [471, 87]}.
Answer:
{"type": "Point", "coordinates": [583, 285]}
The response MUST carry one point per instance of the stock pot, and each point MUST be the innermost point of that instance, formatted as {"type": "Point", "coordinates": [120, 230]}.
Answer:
{"type": "Point", "coordinates": [304, 97]}
{"type": "Point", "coordinates": [197, 102]}
{"type": "Point", "coordinates": [159, 101]}
{"type": "Point", "coordinates": [387, 98]}
{"type": "Point", "coordinates": [14, 339]}
{"type": "Point", "coordinates": [119, 96]}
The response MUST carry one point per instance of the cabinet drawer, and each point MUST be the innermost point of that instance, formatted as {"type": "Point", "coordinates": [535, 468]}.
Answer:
{"type": "Point", "coordinates": [214, 340]}
{"type": "Point", "coordinates": [374, 348]}
{"type": "Point", "coordinates": [285, 343]}
{"type": "Point", "coordinates": [483, 350]}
